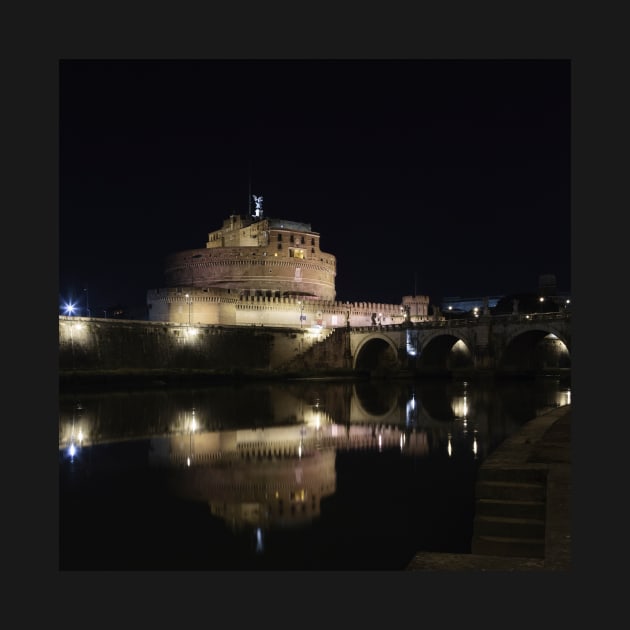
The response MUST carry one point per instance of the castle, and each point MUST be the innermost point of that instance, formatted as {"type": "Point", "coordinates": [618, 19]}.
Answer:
{"type": "Point", "coordinates": [269, 272]}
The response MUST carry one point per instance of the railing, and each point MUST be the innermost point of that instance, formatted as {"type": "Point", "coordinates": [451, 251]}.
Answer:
{"type": "Point", "coordinates": [467, 322]}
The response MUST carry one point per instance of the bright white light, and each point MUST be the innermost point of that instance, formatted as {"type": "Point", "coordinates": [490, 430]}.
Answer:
{"type": "Point", "coordinates": [380, 441]}
{"type": "Point", "coordinates": [72, 450]}
{"type": "Point", "coordinates": [410, 411]}
{"type": "Point", "coordinates": [475, 445]}
{"type": "Point", "coordinates": [449, 447]}
{"type": "Point", "coordinates": [188, 461]}
{"type": "Point", "coordinates": [69, 307]}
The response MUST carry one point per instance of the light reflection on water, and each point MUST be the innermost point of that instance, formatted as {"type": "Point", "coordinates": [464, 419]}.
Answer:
{"type": "Point", "coordinates": [301, 475]}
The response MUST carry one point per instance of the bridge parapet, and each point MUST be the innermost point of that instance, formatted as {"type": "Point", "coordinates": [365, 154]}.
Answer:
{"type": "Point", "coordinates": [484, 339]}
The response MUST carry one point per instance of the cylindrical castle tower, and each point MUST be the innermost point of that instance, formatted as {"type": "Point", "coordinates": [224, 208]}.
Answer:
{"type": "Point", "coordinates": [257, 271]}
{"type": "Point", "coordinates": [257, 257]}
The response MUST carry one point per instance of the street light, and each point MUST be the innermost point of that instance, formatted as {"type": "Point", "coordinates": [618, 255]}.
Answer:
{"type": "Point", "coordinates": [189, 301]}
{"type": "Point", "coordinates": [69, 308]}
{"type": "Point", "coordinates": [87, 301]}
{"type": "Point", "coordinates": [301, 313]}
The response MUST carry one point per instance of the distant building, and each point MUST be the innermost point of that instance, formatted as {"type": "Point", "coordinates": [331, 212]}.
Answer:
{"type": "Point", "coordinates": [460, 305]}
{"type": "Point", "coordinates": [548, 291]}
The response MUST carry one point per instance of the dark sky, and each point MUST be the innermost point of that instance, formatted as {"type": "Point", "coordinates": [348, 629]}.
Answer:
{"type": "Point", "coordinates": [441, 178]}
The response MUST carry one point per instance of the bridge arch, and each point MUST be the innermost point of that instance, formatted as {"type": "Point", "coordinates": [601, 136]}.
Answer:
{"type": "Point", "coordinates": [445, 350]}
{"type": "Point", "coordinates": [536, 349]}
{"type": "Point", "coordinates": [376, 351]}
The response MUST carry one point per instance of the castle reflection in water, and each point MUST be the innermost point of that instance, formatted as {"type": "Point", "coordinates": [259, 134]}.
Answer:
{"type": "Point", "coordinates": [273, 469]}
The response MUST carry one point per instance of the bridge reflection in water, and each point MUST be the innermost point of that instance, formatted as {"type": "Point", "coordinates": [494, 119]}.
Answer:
{"type": "Point", "coordinates": [298, 463]}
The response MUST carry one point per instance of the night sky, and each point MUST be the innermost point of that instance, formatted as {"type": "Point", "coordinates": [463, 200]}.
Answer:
{"type": "Point", "coordinates": [440, 178]}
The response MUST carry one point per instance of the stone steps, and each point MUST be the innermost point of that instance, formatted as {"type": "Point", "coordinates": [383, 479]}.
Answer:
{"type": "Point", "coordinates": [511, 509]}
{"type": "Point", "coordinates": [530, 528]}
{"type": "Point", "coordinates": [504, 546]}
{"type": "Point", "coordinates": [509, 491]}
{"type": "Point", "coordinates": [510, 512]}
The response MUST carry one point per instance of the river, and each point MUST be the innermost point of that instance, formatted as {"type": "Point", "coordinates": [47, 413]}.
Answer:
{"type": "Point", "coordinates": [295, 475]}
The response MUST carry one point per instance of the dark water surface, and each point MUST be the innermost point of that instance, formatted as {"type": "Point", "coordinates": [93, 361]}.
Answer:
{"type": "Point", "coordinates": [302, 475]}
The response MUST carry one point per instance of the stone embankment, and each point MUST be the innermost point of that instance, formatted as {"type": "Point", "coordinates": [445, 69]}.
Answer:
{"type": "Point", "coordinates": [522, 497]}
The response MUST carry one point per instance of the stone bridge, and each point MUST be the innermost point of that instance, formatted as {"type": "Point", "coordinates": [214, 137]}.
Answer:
{"type": "Point", "coordinates": [510, 343]}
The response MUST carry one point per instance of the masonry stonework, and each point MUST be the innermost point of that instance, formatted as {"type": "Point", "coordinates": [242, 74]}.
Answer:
{"type": "Point", "coordinates": [266, 272]}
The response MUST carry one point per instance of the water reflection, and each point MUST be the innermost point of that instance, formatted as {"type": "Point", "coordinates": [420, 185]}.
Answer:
{"type": "Point", "coordinates": [265, 457]}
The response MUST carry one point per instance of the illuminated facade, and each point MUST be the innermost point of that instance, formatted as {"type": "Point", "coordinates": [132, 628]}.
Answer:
{"type": "Point", "coordinates": [263, 271]}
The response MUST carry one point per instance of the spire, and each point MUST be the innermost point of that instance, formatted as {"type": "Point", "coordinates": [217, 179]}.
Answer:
{"type": "Point", "coordinates": [249, 196]}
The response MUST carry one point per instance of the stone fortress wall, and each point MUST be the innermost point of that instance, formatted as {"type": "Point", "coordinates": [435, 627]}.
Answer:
{"type": "Point", "coordinates": [265, 272]}
{"type": "Point", "coordinates": [226, 307]}
{"type": "Point", "coordinates": [270, 257]}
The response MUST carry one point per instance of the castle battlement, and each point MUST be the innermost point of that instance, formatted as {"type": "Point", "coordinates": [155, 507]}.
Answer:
{"type": "Point", "coordinates": [272, 272]}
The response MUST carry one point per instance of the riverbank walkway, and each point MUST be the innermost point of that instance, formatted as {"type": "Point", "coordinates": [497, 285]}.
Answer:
{"type": "Point", "coordinates": [541, 449]}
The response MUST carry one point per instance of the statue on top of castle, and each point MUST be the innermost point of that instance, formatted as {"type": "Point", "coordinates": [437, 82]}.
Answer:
{"type": "Point", "coordinates": [258, 200]}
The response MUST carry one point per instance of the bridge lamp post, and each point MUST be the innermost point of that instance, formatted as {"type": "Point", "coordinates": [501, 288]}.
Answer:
{"type": "Point", "coordinates": [301, 313]}
{"type": "Point", "coordinates": [189, 302]}
{"type": "Point", "coordinates": [87, 302]}
{"type": "Point", "coordinates": [69, 308]}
